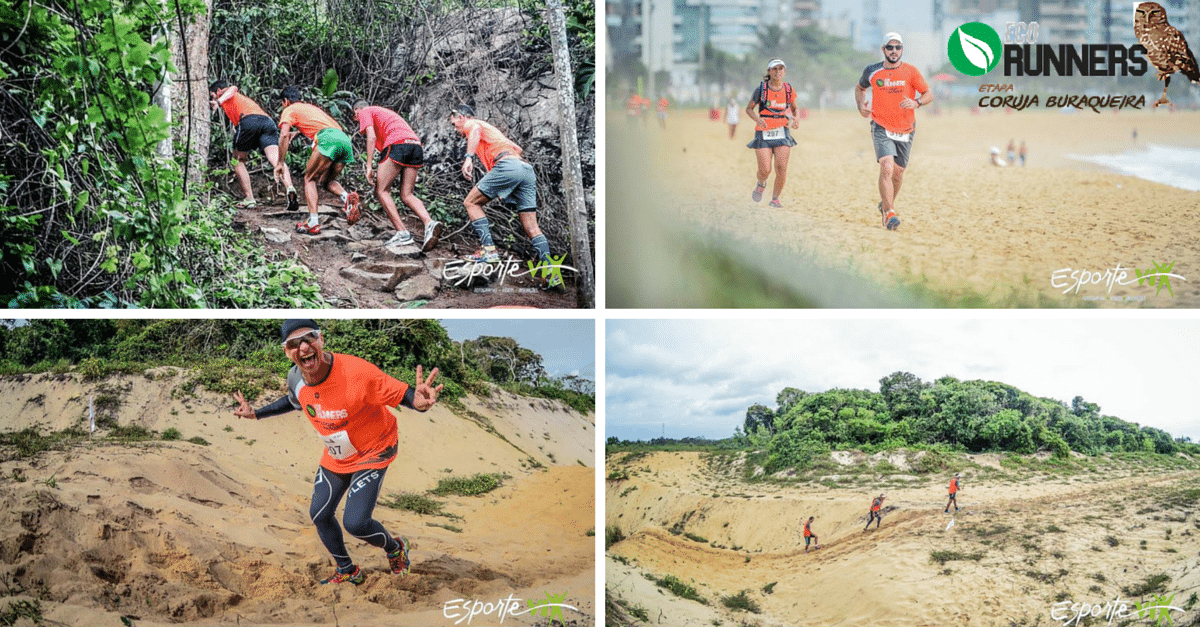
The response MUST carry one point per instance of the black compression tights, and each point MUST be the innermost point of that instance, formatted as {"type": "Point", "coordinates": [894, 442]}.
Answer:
{"type": "Point", "coordinates": [363, 486]}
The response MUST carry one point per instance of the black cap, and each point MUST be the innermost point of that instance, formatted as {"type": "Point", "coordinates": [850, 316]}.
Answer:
{"type": "Point", "coordinates": [290, 326]}
{"type": "Point", "coordinates": [463, 109]}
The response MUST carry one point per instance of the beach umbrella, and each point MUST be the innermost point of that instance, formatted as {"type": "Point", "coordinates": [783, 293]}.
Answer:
{"type": "Point", "coordinates": [944, 77]}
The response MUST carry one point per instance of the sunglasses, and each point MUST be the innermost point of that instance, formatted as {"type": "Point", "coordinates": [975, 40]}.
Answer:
{"type": "Point", "coordinates": [891, 47]}
{"type": "Point", "coordinates": [293, 343]}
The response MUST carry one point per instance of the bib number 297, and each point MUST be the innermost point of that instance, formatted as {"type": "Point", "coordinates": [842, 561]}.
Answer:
{"type": "Point", "coordinates": [775, 133]}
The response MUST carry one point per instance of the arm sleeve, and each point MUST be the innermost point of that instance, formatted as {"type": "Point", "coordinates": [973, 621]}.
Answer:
{"type": "Point", "coordinates": [864, 81]}
{"type": "Point", "coordinates": [281, 406]}
{"type": "Point", "coordinates": [407, 401]}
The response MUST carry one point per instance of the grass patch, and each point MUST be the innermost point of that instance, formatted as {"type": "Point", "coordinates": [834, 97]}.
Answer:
{"type": "Point", "coordinates": [740, 601]}
{"type": "Point", "coordinates": [769, 588]}
{"type": "Point", "coordinates": [1054, 529]}
{"type": "Point", "coordinates": [171, 434]}
{"type": "Point", "coordinates": [25, 608]}
{"type": "Point", "coordinates": [941, 557]}
{"type": "Point", "coordinates": [1112, 540]}
{"type": "Point", "coordinates": [416, 503]}
{"type": "Point", "coordinates": [618, 475]}
{"type": "Point", "coordinates": [29, 442]}
{"type": "Point", "coordinates": [626, 491]}
{"type": "Point", "coordinates": [198, 440]}
{"type": "Point", "coordinates": [673, 585]}
{"type": "Point", "coordinates": [1154, 584]}
{"type": "Point", "coordinates": [612, 535]}
{"type": "Point", "coordinates": [132, 433]}
{"type": "Point", "coordinates": [445, 526]}
{"type": "Point", "coordinates": [475, 485]}
{"type": "Point", "coordinates": [695, 538]}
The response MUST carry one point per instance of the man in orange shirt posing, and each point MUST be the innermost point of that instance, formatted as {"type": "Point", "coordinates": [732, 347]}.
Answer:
{"type": "Point", "coordinates": [348, 402]}
{"type": "Point", "coordinates": [330, 153]}
{"type": "Point", "coordinates": [509, 177]}
{"type": "Point", "coordinates": [253, 130]}
{"type": "Point", "coordinates": [897, 90]}
{"type": "Point", "coordinates": [400, 153]}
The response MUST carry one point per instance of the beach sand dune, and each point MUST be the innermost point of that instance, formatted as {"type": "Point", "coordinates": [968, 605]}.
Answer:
{"type": "Point", "coordinates": [972, 234]}
{"type": "Point", "coordinates": [1020, 544]}
{"type": "Point", "coordinates": [170, 532]}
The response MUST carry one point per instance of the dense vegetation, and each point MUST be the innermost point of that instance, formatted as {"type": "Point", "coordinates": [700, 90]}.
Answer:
{"type": "Point", "coordinates": [245, 355]}
{"type": "Point", "coordinates": [970, 416]}
{"type": "Point", "coordinates": [98, 210]}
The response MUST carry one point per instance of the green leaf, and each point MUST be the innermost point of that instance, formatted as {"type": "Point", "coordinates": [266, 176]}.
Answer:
{"type": "Point", "coordinates": [329, 83]}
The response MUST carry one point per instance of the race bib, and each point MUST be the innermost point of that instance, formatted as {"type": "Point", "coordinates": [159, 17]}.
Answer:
{"type": "Point", "coordinates": [775, 133]}
{"type": "Point", "coordinates": [900, 137]}
{"type": "Point", "coordinates": [338, 444]}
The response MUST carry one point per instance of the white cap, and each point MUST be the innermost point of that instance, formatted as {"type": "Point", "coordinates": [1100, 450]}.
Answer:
{"type": "Point", "coordinates": [774, 62]}
{"type": "Point", "coordinates": [890, 36]}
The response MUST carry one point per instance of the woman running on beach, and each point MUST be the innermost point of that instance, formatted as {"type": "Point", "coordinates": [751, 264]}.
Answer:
{"type": "Point", "coordinates": [771, 106]}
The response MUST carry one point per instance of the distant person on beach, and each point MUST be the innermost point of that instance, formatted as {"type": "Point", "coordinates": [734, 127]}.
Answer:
{"type": "Point", "coordinates": [1012, 151]}
{"type": "Point", "coordinates": [731, 115]}
{"type": "Point", "coordinates": [347, 400]}
{"type": "Point", "coordinates": [875, 515]}
{"type": "Point", "coordinates": [253, 130]}
{"type": "Point", "coordinates": [400, 154]}
{"type": "Point", "coordinates": [662, 111]}
{"type": "Point", "coordinates": [809, 536]}
{"type": "Point", "coordinates": [1022, 153]}
{"type": "Point", "coordinates": [997, 160]}
{"type": "Point", "coordinates": [772, 106]}
{"type": "Point", "coordinates": [897, 91]}
{"type": "Point", "coordinates": [953, 493]}
{"type": "Point", "coordinates": [331, 152]}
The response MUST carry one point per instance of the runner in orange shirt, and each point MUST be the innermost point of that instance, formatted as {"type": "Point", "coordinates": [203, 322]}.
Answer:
{"type": "Point", "coordinates": [953, 493]}
{"type": "Point", "coordinates": [662, 111]}
{"type": "Point", "coordinates": [809, 536]}
{"type": "Point", "coordinates": [897, 90]}
{"type": "Point", "coordinates": [772, 106]}
{"type": "Point", "coordinates": [348, 402]}
{"type": "Point", "coordinates": [253, 130]}
{"type": "Point", "coordinates": [509, 178]}
{"type": "Point", "coordinates": [399, 152]}
{"type": "Point", "coordinates": [875, 515]}
{"type": "Point", "coordinates": [331, 152]}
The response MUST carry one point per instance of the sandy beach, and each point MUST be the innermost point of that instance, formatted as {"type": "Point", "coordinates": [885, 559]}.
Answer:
{"type": "Point", "coordinates": [170, 532]}
{"type": "Point", "coordinates": [972, 234]}
{"type": "Point", "coordinates": [1025, 542]}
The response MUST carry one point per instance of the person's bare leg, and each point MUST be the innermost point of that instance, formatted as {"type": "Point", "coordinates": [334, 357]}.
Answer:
{"type": "Point", "coordinates": [782, 155]}
{"type": "Point", "coordinates": [383, 180]}
{"type": "Point", "coordinates": [408, 183]}
{"type": "Point", "coordinates": [243, 175]}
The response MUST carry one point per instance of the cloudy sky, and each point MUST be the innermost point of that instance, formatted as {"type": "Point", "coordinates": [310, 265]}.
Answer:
{"type": "Point", "coordinates": [566, 346]}
{"type": "Point", "coordinates": [697, 377]}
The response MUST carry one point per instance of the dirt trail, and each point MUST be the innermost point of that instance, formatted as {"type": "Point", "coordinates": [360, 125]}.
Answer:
{"type": "Point", "coordinates": [356, 270]}
{"type": "Point", "coordinates": [169, 532]}
{"type": "Point", "coordinates": [1019, 546]}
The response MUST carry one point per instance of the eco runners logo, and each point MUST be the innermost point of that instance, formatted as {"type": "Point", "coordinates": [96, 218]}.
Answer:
{"type": "Point", "coordinates": [974, 49]}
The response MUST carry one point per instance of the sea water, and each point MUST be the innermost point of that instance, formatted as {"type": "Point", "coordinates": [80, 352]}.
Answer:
{"type": "Point", "coordinates": [1169, 165]}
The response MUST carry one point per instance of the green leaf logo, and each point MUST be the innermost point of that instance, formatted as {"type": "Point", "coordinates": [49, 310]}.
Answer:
{"type": "Point", "coordinates": [311, 411]}
{"type": "Point", "coordinates": [974, 49]}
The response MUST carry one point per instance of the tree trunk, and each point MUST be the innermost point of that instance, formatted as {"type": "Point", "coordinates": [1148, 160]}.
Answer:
{"type": "Point", "coordinates": [577, 218]}
{"type": "Point", "coordinates": [189, 53]}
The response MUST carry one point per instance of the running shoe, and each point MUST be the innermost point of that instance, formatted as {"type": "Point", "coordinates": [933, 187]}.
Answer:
{"type": "Point", "coordinates": [484, 256]}
{"type": "Point", "coordinates": [775, 203]}
{"type": "Point", "coordinates": [891, 221]}
{"type": "Point", "coordinates": [293, 201]}
{"type": "Point", "coordinates": [554, 284]}
{"type": "Point", "coordinates": [401, 238]}
{"type": "Point", "coordinates": [758, 192]}
{"type": "Point", "coordinates": [352, 211]}
{"type": "Point", "coordinates": [433, 233]}
{"type": "Point", "coordinates": [356, 577]}
{"type": "Point", "coordinates": [398, 559]}
{"type": "Point", "coordinates": [304, 228]}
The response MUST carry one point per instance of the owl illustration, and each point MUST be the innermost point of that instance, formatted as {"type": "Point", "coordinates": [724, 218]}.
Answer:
{"type": "Point", "coordinates": [1165, 46]}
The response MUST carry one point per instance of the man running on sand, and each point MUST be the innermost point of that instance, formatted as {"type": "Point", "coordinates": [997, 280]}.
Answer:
{"type": "Point", "coordinates": [253, 130]}
{"type": "Point", "coordinates": [509, 177]}
{"type": "Point", "coordinates": [331, 152]}
{"type": "Point", "coordinates": [809, 536]}
{"type": "Point", "coordinates": [953, 493]}
{"type": "Point", "coordinates": [875, 515]}
{"type": "Point", "coordinates": [897, 90]}
{"type": "Point", "coordinates": [347, 400]}
{"type": "Point", "coordinates": [400, 153]}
